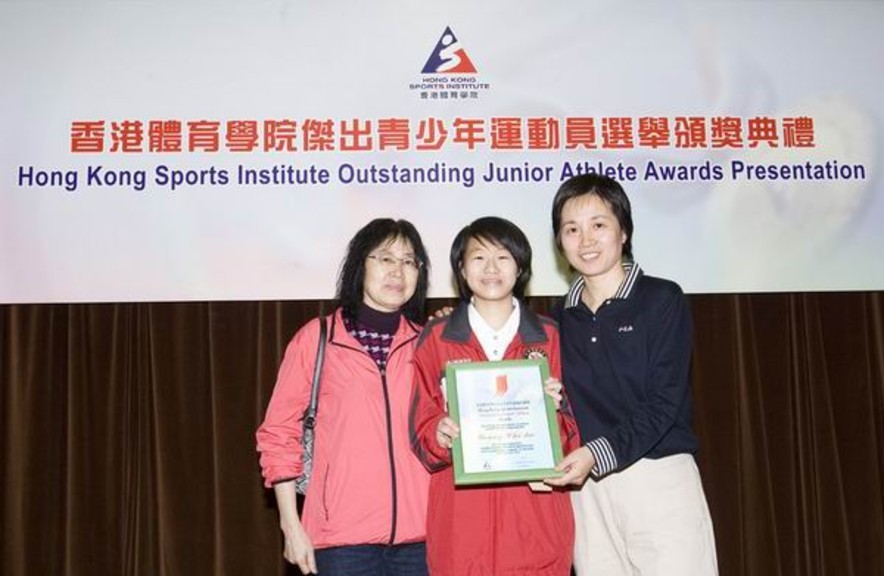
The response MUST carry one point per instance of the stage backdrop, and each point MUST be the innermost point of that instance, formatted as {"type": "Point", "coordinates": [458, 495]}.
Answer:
{"type": "Point", "coordinates": [228, 150]}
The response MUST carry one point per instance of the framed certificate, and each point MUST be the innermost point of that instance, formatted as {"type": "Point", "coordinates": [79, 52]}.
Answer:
{"type": "Point", "coordinates": [508, 426]}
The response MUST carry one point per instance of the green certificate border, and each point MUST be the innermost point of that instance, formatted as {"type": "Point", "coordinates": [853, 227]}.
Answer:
{"type": "Point", "coordinates": [462, 478]}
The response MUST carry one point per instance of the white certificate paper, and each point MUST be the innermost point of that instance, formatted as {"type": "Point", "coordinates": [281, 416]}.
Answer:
{"type": "Point", "coordinates": [508, 428]}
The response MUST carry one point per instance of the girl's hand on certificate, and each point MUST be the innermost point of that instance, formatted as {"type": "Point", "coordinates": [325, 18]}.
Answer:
{"type": "Point", "coordinates": [446, 432]}
{"type": "Point", "coordinates": [553, 389]}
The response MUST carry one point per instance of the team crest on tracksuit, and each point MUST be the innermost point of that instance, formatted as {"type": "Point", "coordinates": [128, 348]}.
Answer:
{"type": "Point", "coordinates": [534, 354]}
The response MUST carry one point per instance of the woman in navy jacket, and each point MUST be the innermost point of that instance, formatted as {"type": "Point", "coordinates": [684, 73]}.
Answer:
{"type": "Point", "coordinates": [626, 352]}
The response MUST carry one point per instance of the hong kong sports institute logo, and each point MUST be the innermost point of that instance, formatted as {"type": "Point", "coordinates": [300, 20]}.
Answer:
{"type": "Point", "coordinates": [449, 57]}
{"type": "Point", "coordinates": [449, 73]}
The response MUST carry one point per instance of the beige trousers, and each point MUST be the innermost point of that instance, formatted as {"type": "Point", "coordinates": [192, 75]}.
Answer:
{"type": "Point", "coordinates": [648, 520]}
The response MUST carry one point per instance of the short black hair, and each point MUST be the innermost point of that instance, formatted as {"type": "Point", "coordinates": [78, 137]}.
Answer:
{"type": "Point", "coordinates": [608, 190]}
{"type": "Point", "coordinates": [351, 278]}
{"type": "Point", "coordinates": [496, 231]}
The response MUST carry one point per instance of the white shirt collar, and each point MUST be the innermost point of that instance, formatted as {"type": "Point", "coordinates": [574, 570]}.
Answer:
{"type": "Point", "coordinates": [494, 342]}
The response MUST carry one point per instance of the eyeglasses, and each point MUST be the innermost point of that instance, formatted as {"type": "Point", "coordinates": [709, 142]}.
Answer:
{"type": "Point", "coordinates": [389, 262]}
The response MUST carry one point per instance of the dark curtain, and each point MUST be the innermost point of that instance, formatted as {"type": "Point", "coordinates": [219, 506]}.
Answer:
{"type": "Point", "coordinates": [127, 434]}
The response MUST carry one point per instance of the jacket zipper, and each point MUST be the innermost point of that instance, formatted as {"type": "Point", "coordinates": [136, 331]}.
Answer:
{"type": "Point", "coordinates": [390, 451]}
{"type": "Point", "coordinates": [393, 483]}
{"type": "Point", "coordinates": [389, 416]}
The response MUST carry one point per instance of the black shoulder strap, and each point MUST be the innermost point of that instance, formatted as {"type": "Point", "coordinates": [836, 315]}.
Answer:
{"type": "Point", "coordinates": [310, 416]}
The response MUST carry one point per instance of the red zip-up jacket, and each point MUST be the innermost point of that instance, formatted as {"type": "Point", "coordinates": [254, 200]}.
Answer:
{"type": "Point", "coordinates": [367, 485]}
{"type": "Point", "coordinates": [503, 529]}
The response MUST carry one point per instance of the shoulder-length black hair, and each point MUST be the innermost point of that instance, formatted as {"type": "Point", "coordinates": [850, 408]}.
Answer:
{"type": "Point", "coordinates": [351, 278]}
{"type": "Point", "coordinates": [496, 231]}
{"type": "Point", "coordinates": [608, 190]}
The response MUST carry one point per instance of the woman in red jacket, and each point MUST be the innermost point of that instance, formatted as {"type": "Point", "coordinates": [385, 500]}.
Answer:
{"type": "Point", "coordinates": [365, 507]}
{"type": "Point", "coordinates": [504, 529]}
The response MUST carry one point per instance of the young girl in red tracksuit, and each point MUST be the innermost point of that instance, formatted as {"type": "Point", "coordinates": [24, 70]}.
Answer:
{"type": "Point", "coordinates": [502, 529]}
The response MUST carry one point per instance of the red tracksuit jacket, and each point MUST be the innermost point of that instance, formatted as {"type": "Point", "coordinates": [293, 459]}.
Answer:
{"type": "Point", "coordinates": [503, 529]}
